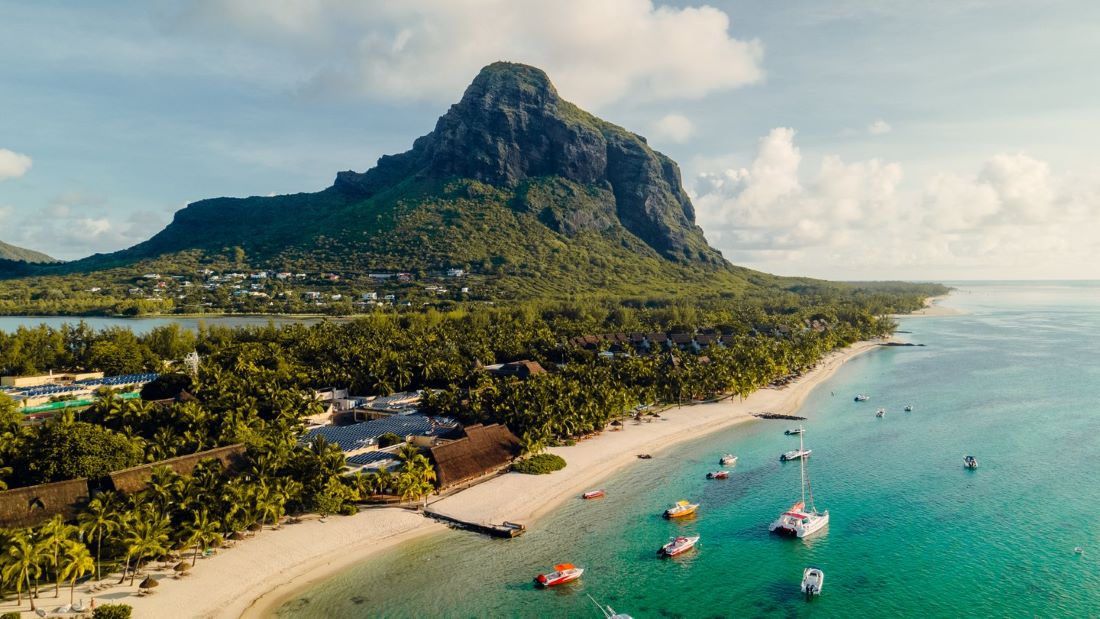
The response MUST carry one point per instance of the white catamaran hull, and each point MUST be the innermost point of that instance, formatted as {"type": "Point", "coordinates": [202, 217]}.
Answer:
{"type": "Point", "coordinates": [805, 526]}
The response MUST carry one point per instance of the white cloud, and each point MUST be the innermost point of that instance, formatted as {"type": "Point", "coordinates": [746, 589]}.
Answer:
{"type": "Point", "coordinates": [1013, 218]}
{"type": "Point", "coordinates": [879, 127]}
{"type": "Point", "coordinates": [596, 52]}
{"type": "Point", "coordinates": [13, 164]}
{"type": "Point", "coordinates": [673, 128]}
{"type": "Point", "coordinates": [78, 224]}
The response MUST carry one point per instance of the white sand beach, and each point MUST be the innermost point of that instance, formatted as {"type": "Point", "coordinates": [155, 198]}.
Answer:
{"type": "Point", "coordinates": [263, 572]}
{"type": "Point", "coordinates": [932, 307]}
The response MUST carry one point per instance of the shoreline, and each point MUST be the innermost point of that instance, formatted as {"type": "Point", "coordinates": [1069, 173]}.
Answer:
{"type": "Point", "coordinates": [527, 498]}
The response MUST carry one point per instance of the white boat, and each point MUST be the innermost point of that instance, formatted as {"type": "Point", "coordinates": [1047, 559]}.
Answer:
{"type": "Point", "coordinates": [798, 521]}
{"type": "Point", "coordinates": [793, 431]}
{"type": "Point", "coordinates": [678, 545]}
{"type": "Point", "coordinates": [812, 581]}
{"type": "Point", "coordinates": [607, 611]}
{"type": "Point", "coordinates": [862, 397]}
{"type": "Point", "coordinates": [563, 573]}
{"type": "Point", "coordinates": [728, 460]}
{"type": "Point", "coordinates": [795, 454]}
{"type": "Point", "coordinates": [880, 412]}
{"type": "Point", "coordinates": [908, 408]}
{"type": "Point", "coordinates": [970, 462]}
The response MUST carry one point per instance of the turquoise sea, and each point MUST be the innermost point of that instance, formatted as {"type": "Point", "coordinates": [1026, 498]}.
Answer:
{"type": "Point", "coordinates": [1015, 381]}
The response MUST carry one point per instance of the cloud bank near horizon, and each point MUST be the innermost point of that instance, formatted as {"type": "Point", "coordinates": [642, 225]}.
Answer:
{"type": "Point", "coordinates": [1013, 215]}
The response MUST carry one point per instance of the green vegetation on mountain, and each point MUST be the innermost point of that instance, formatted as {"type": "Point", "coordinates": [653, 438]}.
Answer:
{"type": "Point", "coordinates": [529, 195]}
{"type": "Point", "coordinates": [19, 254]}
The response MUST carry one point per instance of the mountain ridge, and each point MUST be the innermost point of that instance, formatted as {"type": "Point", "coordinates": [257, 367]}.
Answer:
{"type": "Point", "coordinates": [21, 254]}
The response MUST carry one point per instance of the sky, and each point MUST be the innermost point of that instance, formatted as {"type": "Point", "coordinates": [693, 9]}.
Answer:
{"type": "Point", "coordinates": [850, 139]}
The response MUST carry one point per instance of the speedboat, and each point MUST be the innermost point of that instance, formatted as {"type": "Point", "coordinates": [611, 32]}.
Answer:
{"type": "Point", "coordinates": [880, 412]}
{"type": "Point", "coordinates": [593, 494]}
{"type": "Point", "coordinates": [795, 454]}
{"type": "Point", "coordinates": [798, 521]}
{"type": "Point", "coordinates": [678, 545]}
{"type": "Point", "coordinates": [793, 431]}
{"type": "Point", "coordinates": [970, 462]}
{"type": "Point", "coordinates": [728, 460]}
{"type": "Point", "coordinates": [908, 408]}
{"type": "Point", "coordinates": [812, 581]}
{"type": "Point", "coordinates": [681, 509]}
{"type": "Point", "coordinates": [563, 573]}
{"type": "Point", "coordinates": [862, 397]}
{"type": "Point", "coordinates": [718, 475]}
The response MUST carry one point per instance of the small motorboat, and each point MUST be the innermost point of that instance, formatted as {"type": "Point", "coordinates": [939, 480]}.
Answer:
{"type": "Point", "coordinates": [908, 408]}
{"type": "Point", "coordinates": [862, 397]}
{"type": "Point", "coordinates": [793, 431]}
{"type": "Point", "coordinates": [681, 509]}
{"type": "Point", "coordinates": [644, 456]}
{"type": "Point", "coordinates": [795, 454]}
{"type": "Point", "coordinates": [593, 494]}
{"type": "Point", "coordinates": [812, 580]}
{"type": "Point", "coordinates": [1078, 550]}
{"type": "Point", "coordinates": [880, 412]}
{"type": "Point", "coordinates": [678, 545]}
{"type": "Point", "coordinates": [563, 573]}
{"type": "Point", "coordinates": [718, 475]}
{"type": "Point", "coordinates": [970, 462]}
{"type": "Point", "coordinates": [728, 460]}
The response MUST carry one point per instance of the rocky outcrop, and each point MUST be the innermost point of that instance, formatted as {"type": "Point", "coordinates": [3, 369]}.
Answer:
{"type": "Point", "coordinates": [511, 127]}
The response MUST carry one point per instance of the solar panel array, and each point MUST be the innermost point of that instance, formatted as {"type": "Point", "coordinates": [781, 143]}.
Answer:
{"type": "Point", "coordinates": [34, 392]}
{"type": "Point", "coordinates": [126, 379]}
{"type": "Point", "coordinates": [359, 435]}
{"type": "Point", "coordinates": [371, 456]}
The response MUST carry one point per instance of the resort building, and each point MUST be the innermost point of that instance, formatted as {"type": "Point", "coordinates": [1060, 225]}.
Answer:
{"type": "Point", "coordinates": [483, 451]}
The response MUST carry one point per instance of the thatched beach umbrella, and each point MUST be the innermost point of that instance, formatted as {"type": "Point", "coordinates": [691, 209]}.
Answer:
{"type": "Point", "coordinates": [148, 583]}
{"type": "Point", "coordinates": [236, 536]}
{"type": "Point", "coordinates": [181, 567]}
{"type": "Point", "coordinates": [255, 526]}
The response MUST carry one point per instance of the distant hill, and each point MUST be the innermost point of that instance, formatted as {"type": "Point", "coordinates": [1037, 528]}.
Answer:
{"type": "Point", "coordinates": [18, 254]}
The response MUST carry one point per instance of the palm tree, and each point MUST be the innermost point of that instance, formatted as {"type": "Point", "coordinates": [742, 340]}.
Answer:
{"type": "Point", "coordinates": [202, 532]}
{"type": "Point", "coordinates": [23, 560]}
{"type": "Point", "coordinates": [100, 519]}
{"type": "Point", "coordinates": [55, 535]}
{"type": "Point", "coordinates": [75, 563]}
{"type": "Point", "coordinates": [147, 535]}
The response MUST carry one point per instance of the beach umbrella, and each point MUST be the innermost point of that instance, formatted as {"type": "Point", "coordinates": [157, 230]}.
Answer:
{"type": "Point", "coordinates": [149, 583]}
{"type": "Point", "coordinates": [182, 567]}
{"type": "Point", "coordinates": [255, 526]}
{"type": "Point", "coordinates": [236, 536]}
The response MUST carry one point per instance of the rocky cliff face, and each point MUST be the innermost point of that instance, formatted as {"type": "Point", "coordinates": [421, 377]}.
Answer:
{"type": "Point", "coordinates": [511, 128]}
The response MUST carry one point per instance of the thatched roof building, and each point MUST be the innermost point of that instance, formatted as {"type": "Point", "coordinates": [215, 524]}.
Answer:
{"type": "Point", "coordinates": [134, 479]}
{"type": "Point", "coordinates": [484, 450]}
{"type": "Point", "coordinates": [28, 506]}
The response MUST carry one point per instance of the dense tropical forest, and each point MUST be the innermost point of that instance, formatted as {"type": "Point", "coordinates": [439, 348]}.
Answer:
{"type": "Point", "coordinates": [253, 387]}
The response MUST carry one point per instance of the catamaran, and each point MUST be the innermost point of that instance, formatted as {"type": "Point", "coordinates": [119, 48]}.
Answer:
{"type": "Point", "coordinates": [563, 573]}
{"type": "Point", "coordinates": [607, 611]}
{"type": "Point", "coordinates": [795, 454]}
{"type": "Point", "coordinates": [678, 545]}
{"type": "Point", "coordinates": [797, 520]}
{"type": "Point", "coordinates": [793, 431]}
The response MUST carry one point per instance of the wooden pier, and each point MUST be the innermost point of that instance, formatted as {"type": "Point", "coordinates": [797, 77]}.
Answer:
{"type": "Point", "coordinates": [506, 529]}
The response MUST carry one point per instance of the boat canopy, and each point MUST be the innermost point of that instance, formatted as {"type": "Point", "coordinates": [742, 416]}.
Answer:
{"type": "Point", "coordinates": [561, 567]}
{"type": "Point", "coordinates": [683, 503]}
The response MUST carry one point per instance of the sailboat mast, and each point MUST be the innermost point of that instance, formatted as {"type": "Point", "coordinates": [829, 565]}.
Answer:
{"type": "Point", "coordinates": [802, 464]}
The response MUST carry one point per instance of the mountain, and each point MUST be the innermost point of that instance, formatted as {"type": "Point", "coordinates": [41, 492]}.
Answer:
{"type": "Point", "coordinates": [18, 254]}
{"type": "Point", "coordinates": [515, 184]}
